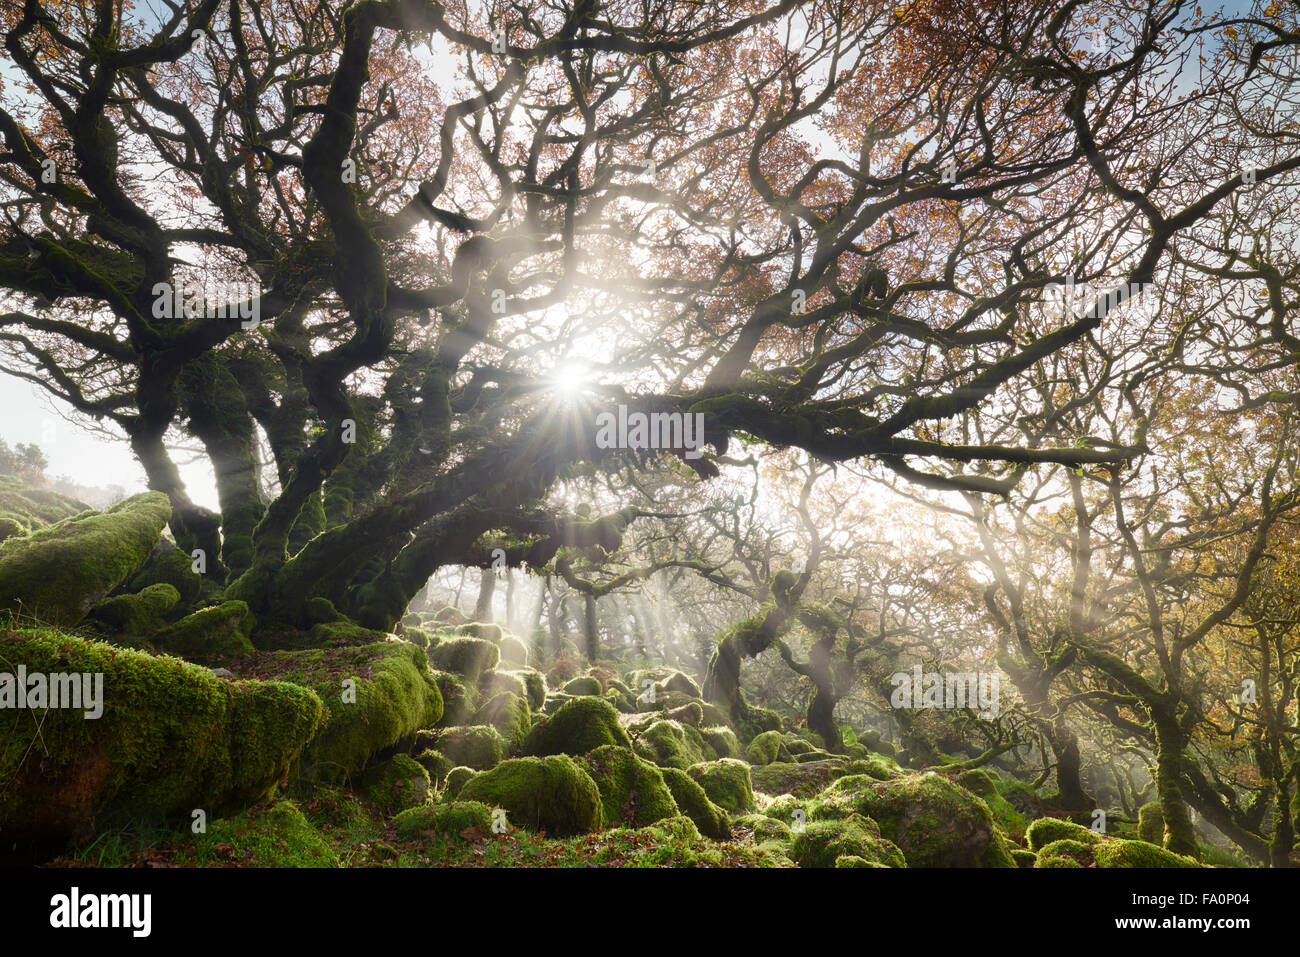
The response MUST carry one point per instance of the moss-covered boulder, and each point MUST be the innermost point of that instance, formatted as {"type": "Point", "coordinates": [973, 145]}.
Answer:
{"type": "Point", "coordinates": [582, 685]}
{"type": "Point", "coordinates": [668, 744]}
{"type": "Point", "coordinates": [935, 822]}
{"type": "Point", "coordinates": [455, 780]}
{"type": "Point", "coordinates": [762, 827]}
{"type": "Point", "coordinates": [632, 791]}
{"type": "Point", "coordinates": [492, 683]}
{"type": "Point", "coordinates": [768, 748]}
{"type": "Point", "coordinates": [473, 746]}
{"type": "Point", "coordinates": [722, 741]}
{"type": "Point", "coordinates": [514, 653]}
{"type": "Point", "coordinates": [534, 686]}
{"type": "Point", "coordinates": [810, 778]}
{"type": "Point", "coordinates": [458, 701]}
{"type": "Point", "coordinates": [690, 714]}
{"type": "Point", "coordinates": [1107, 852]}
{"type": "Point", "coordinates": [467, 657]}
{"type": "Point", "coordinates": [712, 821]}
{"type": "Point", "coordinates": [25, 508]}
{"type": "Point", "coordinates": [551, 794]}
{"type": "Point", "coordinates": [822, 843]}
{"type": "Point", "coordinates": [482, 629]}
{"type": "Point", "coordinates": [726, 782]}
{"type": "Point", "coordinates": [398, 783]}
{"type": "Point", "coordinates": [219, 631]}
{"type": "Point", "coordinates": [444, 818]}
{"type": "Point", "coordinates": [375, 696]}
{"type": "Point", "coordinates": [436, 763]}
{"type": "Point", "coordinates": [680, 683]}
{"type": "Point", "coordinates": [57, 574]}
{"type": "Point", "coordinates": [577, 726]}
{"type": "Point", "coordinates": [168, 565]}
{"type": "Point", "coordinates": [275, 836]}
{"type": "Point", "coordinates": [509, 714]}
{"type": "Point", "coordinates": [171, 738]}
{"type": "Point", "coordinates": [980, 782]}
{"type": "Point", "coordinates": [137, 614]}
{"type": "Point", "coordinates": [1047, 830]}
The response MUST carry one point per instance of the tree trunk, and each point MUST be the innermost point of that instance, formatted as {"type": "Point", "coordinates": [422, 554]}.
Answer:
{"type": "Point", "coordinates": [1180, 837]}
{"type": "Point", "coordinates": [487, 586]}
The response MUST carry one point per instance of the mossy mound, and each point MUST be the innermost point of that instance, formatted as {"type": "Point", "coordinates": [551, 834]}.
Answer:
{"type": "Point", "coordinates": [458, 701]}
{"type": "Point", "coordinates": [534, 686]}
{"type": "Point", "coordinates": [375, 696]}
{"type": "Point", "coordinates": [172, 738]}
{"type": "Point", "coordinates": [168, 565]}
{"type": "Point", "coordinates": [1108, 853]}
{"type": "Point", "coordinates": [632, 791]}
{"type": "Point", "coordinates": [220, 631]}
{"type": "Point", "coordinates": [455, 780]}
{"type": "Point", "coordinates": [935, 822]}
{"type": "Point", "coordinates": [485, 630]}
{"type": "Point", "coordinates": [822, 843]}
{"type": "Point", "coordinates": [276, 836]}
{"type": "Point", "coordinates": [514, 653]}
{"type": "Point", "coordinates": [690, 714]}
{"type": "Point", "coordinates": [712, 821]}
{"type": "Point", "coordinates": [1047, 830]}
{"type": "Point", "coordinates": [551, 794]}
{"type": "Point", "coordinates": [576, 727]}
{"type": "Point", "coordinates": [492, 683]}
{"type": "Point", "coordinates": [980, 782]}
{"type": "Point", "coordinates": [722, 741]}
{"type": "Point", "coordinates": [473, 746]}
{"type": "Point", "coordinates": [509, 714]}
{"type": "Point", "coordinates": [762, 827]}
{"type": "Point", "coordinates": [138, 614]}
{"type": "Point", "coordinates": [768, 748]}
{"type": "Point", "coordinates": [57, 574]}
{"type": "Point", "coordinates": [25, 508]}
{"type": "Point", "coordinates": [450, 817]}
{"type": "Point", "coordinates": [669, 744]}
{"type": "Point", "coordinates": [1151, 823]}
{"type": "Point", "coordinates": [810, 779]}
{"type": "Point", "coordinates": [436, 763]}
{"type": "Point", "coordinates": [398, 783]}
{"type": "Point", "coordinates": [582, 685]}
{"type": "Point", "coordinates": [467, 657]}
{"type": "Point", "coordinates": [726, 782]}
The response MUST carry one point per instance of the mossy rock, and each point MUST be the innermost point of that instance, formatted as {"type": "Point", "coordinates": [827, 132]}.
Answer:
{"type": "Point", "coordinates": [935, 822]}
{"type": "Point", "coordinates": [578, 726]}
{"type": "Point", "coordinates": [551, 794]}
{"type": "Point", "coordinates": [582, 685]}
{"type": "Point", "coordinates": [762, 827]}
{"type": "Point", "coordinates": [173, 737]}
{"type": "Point", "coordinates": [712, 821]}
{"type": "Point", "coordinates": [514, 653]}
{"type": "Point", "coordinates": [436, 763]}
{"type": "Point", "coordinates": [723, 741]}
{"type": "Point", "coordinates": [1023, 858]}
{"type": "Point", "coordinates": [168, 565]}
{"type": "Point", "coordinates": [682, 684]}
{"type": "Point", "coordinates": [275, 836]}
{"type": "Point", "coordinates": [25, 508]}
{"type": "Point", "coordinates": [458, 701]}
{"type": "Point", "coordinates": [980, 782]}
{"type": "Point", "coordinates": [768, 748]}
{"type": "Point", "coordinates": [726, 782]}
{"type": "Point", "coordinates": [852, 860]}
{"type": "Point", "coordinates": [485, 630]}
{"type": "Point", "coordinates": [796, 745]}
{"type": "Point", "coordinates": [689, 715]}
{"type": "Point", "coordinates": [451, 818]}
{"type": "Point", "coordinates": [509, 714]}
{"type": "Point", "coordinates": [808, 780]}
{"type": "Point", "coordinates": [494, 682]}
{"type": "Point", "coordinates": [137, 614]}
{"type": "Point", "coordinates": [1064, 853]}
{"type": "Point", "coordinates": [456, 779]}
{"type": "Point", "coordinates": [57, 574]}
{"type": "Point", "coordinates": [473, 746]}
{"type": "Point", "coordinates": [375, 697]}
{"type": "Point", "coordinates": [534, 686]}
{"type": "Point", "coordinates": [668, 745]}
{"type": "Point", "coordinates": [1048, 830]}
{"type": "Point", "coordinates": [632, 791]}
{"type": "Point", "coordinates": [416, 636]}
{"type": "Point", "coordinates": [467, 657]}
{"type": "Point", "coordinates": [1151, 823]}
{"type": "Point", "coordinates": [220, 631]}
{"type": "Point", "coordinates": [1117, 853]}
{"type": "Point", "coordinates": [821, 843]}
{"type": "Point", "coordinates": [396, 784]}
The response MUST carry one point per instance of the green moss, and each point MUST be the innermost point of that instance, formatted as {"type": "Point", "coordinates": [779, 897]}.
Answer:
{"type": "Point", "coordinates": [1023, 858]}
{"type": "Point", "coordinates": [551, 794]}
{"type": "Point", "coordinates": [712, 821]}
{"type": "Point", "coordinates": [680, 683]}
{"type": "Point", "coordinates": [1115, 853]}
{"type": "Point", "coordinates": [689, 715]}
{"type": "Point", "coordinates": [632, 791]}
{"type": "Point", "coordinates": [762, 827]}
{"type": "Point", "coordinates": [172, 738]}
{"type": "Point", "coordinates": [395, 696]}
{"type": "Point", "coordinates": [474, 746]}
{"type": "Point", "coordinates": [723, 741]}
{"type": "Point", "coordinates": [821, 843]}
{"type": "Point", "coordinates": [458, 701]}
{"type": "Point", "coordinates": [726, 782]}
{"type": "Point", "coordinates": [582, 685]}
{"type": "Point", "coordinates": [396, 784]}
{"type": "Point", "coordinates": [450, 818]}
{"type": "Point", "coordinates": [514, 653]}
{"type": "Point", "coordinates": [534, 686]}
{"type": "Point", "coordinates": [492, 683]}
{"type": "Point", "coordinates": [467, 657]}
{"type": "Point", "coordinates": [1151, 823]}
{"type": "Point", "coordinates": [218, 631]}
{"type": "Point", "coordinates": [1047, 830]}
{"type": "Point", "coordinates": [278, 836]}
{"type": "Point", "coordinates": [807, 780]}
{"type": "Point", "coordinates": [577, 726]}
{"type": "Point", "coordinates": [137, 614]}
{"type": "Point", "coordinates": [416, 636]}
{"type": "Point", "coordinates": [509, 714]}
{"type": "Point", "coordinates": [168, 565]}
{"type": "Point", "coordinates": [935, 822]}
{"type": "Point", "coordinates": [1004, 813]}
{"type": "Point", "coordinates": [666, 743]}
{"type": "Point", "coordinates": [1064, 853]}
{"type": "Point", "coordinates": [57, 574]}
{"type": "Point", "coordinates": [768, 748]}
{"type": "Point", "coordinates": [481, 629]}
{"type": "Point", "coordinates": [456, 779]}
{"type": "Point", "coordinates": [25, 508]}
{"type": "Point", "coordinates": [436, 763]}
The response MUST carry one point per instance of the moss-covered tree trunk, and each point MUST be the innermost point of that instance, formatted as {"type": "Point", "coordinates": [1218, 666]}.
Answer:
{"type": "Point", "coordinates": [1171, 745]}
{"type": "Point", "coordinates": [487, 587]}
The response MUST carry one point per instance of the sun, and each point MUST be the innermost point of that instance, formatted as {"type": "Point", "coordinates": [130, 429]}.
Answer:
{"type": "Point", "coordinates": [570, 380]}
